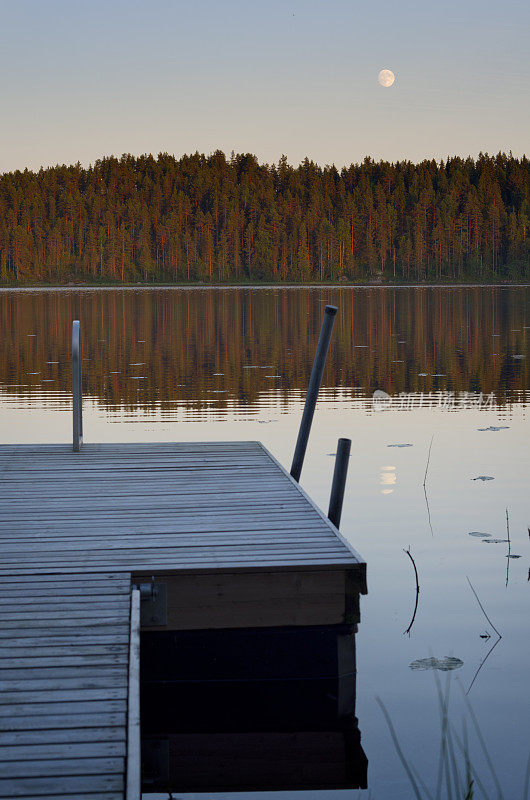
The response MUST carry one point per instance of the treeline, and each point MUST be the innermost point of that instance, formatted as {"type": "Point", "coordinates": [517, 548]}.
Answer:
{"type": "Point", "coordinates": [209, 218]}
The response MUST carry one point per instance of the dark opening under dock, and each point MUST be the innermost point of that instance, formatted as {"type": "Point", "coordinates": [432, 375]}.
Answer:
{"type": "Point", "coordinates": [213, 537]}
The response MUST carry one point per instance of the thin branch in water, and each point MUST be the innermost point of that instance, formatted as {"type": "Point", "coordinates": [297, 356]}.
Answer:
{"type": "Point", "coordinates": [398, 748]}
{"type": "Point", "coordinates": [417, 592]}
{"type": "Point", "coordinates": [428, 460]}
{"type": "Point", "coordinates": [428, 509]}
{"type": "Point", "coordinates": [490, 651]}
{"type": "Point", "coordinates": [509, 548]}
{"type": "Point", "coordinates": [492, 648]}
{"type": "Point", "coordinates": [482, 609]}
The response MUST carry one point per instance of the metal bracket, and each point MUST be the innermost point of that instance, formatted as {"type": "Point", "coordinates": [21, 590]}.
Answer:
{"type": "Point", "coordinates": [153, 604]}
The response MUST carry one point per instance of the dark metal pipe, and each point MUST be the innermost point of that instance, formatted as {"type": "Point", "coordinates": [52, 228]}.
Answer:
{"type": "Point", "coordinates": [339, 481]}
{"type": "Point", "coordinates": [312, 390]}
{"type": "Point", "coordinates": [77, 387]}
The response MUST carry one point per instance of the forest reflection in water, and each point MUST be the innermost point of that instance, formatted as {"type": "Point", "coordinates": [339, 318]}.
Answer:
{"type": "Point", "coordinates": [232, 350]}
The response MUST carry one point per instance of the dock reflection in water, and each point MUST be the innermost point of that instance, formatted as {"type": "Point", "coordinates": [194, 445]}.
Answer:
{"type": "Point", "coordinates": [250, 710]}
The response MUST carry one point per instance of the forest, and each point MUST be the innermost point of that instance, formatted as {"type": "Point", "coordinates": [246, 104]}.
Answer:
{"type": "Point", "coordinates": [233, 220]}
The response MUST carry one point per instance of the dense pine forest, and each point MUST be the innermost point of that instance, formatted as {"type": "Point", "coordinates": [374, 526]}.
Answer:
{"type": "Point", "coordinates": [213, 219]}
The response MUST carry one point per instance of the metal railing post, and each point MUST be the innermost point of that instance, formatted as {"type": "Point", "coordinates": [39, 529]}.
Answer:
{"type": "Point", "coordinates": [339, 481]}
{"type": "Point", "coordinates": [312, 390]}
{"type": "Point", "coordinates": [77, 387]}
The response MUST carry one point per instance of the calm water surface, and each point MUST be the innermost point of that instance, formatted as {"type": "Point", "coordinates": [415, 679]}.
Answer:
{"type": "Point", "coordinates": [172, 364]}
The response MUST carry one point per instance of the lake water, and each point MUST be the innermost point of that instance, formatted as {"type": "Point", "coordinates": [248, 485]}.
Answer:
{"type": "Point", "coordinates": [448, 366]}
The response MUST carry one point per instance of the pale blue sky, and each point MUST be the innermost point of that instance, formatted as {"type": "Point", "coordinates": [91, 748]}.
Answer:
{"type": "Point", "coordinates": [80, 80]}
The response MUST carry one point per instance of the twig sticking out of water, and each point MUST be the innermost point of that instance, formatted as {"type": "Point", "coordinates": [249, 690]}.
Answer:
{"type": "Point", "coordinates": [428, 461]}
{"type": "Point", "coordinates": [482, 609]}
{"type": "Point", "coordinates": [509, 547]}
{"type": "Point", "coordinates": [417, 591]}
{"type": "Point", "coordinates": [492, 648]}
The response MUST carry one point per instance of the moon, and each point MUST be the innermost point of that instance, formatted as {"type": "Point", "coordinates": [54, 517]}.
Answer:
{"type": "Point", "coordinates": [386, 77]}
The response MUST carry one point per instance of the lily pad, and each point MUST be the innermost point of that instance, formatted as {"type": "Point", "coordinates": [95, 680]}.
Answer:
{"type": "Point", "coordinates": [479, 533]}
{"type": "Point", "coordinates": [494, 428]}
{"type": "Point", "coordinates": [483, 478]}
{"type": "Point", "coordinates": [443, 664]}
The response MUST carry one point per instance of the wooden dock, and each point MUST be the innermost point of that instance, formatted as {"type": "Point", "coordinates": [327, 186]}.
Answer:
{"type": "Point", "coordinates": [211, 535]}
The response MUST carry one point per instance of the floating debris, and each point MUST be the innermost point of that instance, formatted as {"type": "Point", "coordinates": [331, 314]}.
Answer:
{"type": "Point", "coordinates": [138, 377]}
{"type": "Point", "coordinates": [52, 362]}
{"type": "Point", "coordinates": [438, 375]}
{"type": "Point", "coordinates": [478, 533]}
{"type": "Point", "coordinates": [518, 357]}
{"type": "Point", "coordinates": [399, 445]}
{"type": "Point", "coordinates": [444, 664]}
{"type": "Point", "coordinates": [512, 555]}
{"type": "Point", "coordinates": [360, 345]}
{"type": "Point", "coordinates": [398, 361]}
{"type": "Point", "coordinates": [483, 478]}
{"type": "Point", "coordinates": [273, 376]}
{"type": "Point", "coordinates": [495, 428]}
{"type": "Point", "coordinates": [423, 374]}
{"type": "Point", "coordinates": [218, 373]}
{"type": "Point", "coordinates": [494, 541]}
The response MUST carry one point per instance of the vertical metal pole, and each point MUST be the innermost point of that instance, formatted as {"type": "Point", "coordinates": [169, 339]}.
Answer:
{"type": "Point", "coordinates": [312, 390]}
{"type": "Point", "coordinates": [77, 387]}
{"type": "Point", "coordinates": [339, 481]}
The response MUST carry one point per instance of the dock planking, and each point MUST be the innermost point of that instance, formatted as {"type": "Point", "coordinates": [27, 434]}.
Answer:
{"type": "Point", "coordinates": [63, 697]}
{"type": "Point", "coordinates": [151, 507]}
{"type": "Point", "coordinates": [235, 539]}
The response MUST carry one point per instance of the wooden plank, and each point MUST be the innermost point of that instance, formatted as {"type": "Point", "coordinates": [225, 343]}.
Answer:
{"type": "Point", "coordinates": [50, 706]}
{"type": "Point", "coordinates": [250, 599]}
{"type": "Point", "coordinates": [51, 721]}
{"type": "Point", "coordinates": [77, 796]}
{"type": "Point", "coordinates": [68, 766]}
{"type": "Point", "coordinates": [60, 696]}
{"type": "Point", "coordinates": [44, 749]}
{"type": "Point", "coordinates": [36, 669]}
{"type": "Point", "coordinates": [67, 785]}
{"type": "Point", "coordinates": [83, 735]}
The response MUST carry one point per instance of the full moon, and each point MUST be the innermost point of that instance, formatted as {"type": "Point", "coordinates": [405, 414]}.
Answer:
{"type": "Point", "coordinates": [386, 77]}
